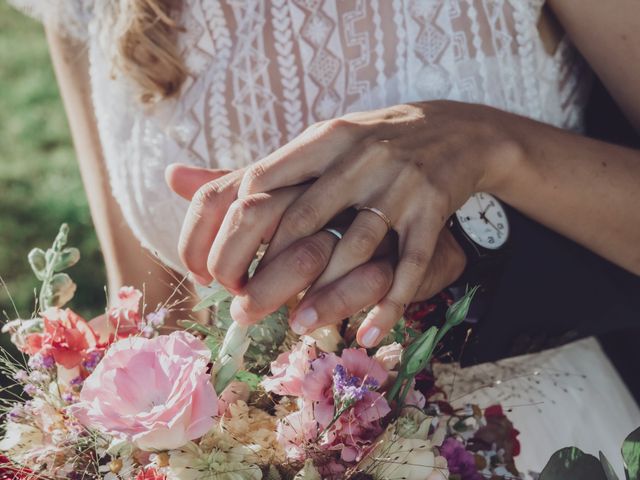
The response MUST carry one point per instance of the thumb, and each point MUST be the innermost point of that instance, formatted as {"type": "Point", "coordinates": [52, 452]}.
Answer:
{"type": "Point", "coordinates": [185, 180]}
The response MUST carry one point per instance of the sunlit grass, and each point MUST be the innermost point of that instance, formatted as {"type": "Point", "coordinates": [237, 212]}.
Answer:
{"type": "Point", "coordinates": [40, 185]}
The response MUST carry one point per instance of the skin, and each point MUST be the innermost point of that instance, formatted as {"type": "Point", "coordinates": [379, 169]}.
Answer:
{"type": "Point", "coordinates": [417, 163]}
{"type": "Point", "coordinates": [126, 261]}
{"type": "Point", "coordinates": [584, 189]}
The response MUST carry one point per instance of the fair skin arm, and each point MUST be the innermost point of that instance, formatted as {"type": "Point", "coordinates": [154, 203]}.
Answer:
{"type": "Point", "coordinates": [126, 261]}
{"type": "Point", "coordinates": [418, 163]}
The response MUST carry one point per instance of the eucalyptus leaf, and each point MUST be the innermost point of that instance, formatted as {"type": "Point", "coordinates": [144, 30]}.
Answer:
{"type": "Point", "coordinates": [608, 469]}
{"type": "Point", "coordinates": [573, 464]}
{"type": "Point", "coordinates": [66, 259]}
{"type": "Point", "coordinates": [59, 291]}
{"type": "Point", "coordinates": [631, 455]}
{"type": "Point", "coordinates": [38, 262]}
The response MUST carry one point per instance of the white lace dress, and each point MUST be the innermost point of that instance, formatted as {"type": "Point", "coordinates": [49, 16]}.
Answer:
{"type": "Point", "coordinates": [260, 71]}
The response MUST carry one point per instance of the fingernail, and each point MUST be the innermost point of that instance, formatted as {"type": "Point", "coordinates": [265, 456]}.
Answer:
{"type": "Point", "coordinates": [238, 313]}
{"type": "Point", "coordinates": [304, 319]}
{"type": "Point", "coordinates": [369, 339]}
{"type": "Point", "coordinates": [201, 280]}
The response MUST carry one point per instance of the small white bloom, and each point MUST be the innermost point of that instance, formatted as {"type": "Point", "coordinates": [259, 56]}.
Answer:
{"type": "Point", "coordinates": [192, 463]}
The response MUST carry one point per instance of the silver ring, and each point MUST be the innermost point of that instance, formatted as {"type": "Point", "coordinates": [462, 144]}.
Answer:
{"type": "Point", "coordinates": [333, 231]}
{"type": "Point", "coordinates": [379, 213]}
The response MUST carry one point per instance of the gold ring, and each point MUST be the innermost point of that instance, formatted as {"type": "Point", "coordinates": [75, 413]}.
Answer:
{"type": "Point", "coordinates": [334, 232]}
{"type": "Point", "coordinates": [379, 213]}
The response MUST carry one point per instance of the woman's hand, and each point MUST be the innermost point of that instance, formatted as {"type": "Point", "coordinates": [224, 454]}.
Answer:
{"type": "Point", "coordinates": [415, 163]}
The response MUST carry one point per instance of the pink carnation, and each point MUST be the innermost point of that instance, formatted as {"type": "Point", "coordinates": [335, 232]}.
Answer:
{"type": "Point", "coordinates": [66, 336]}
{"type": "Point", "coordinates": [154, 392]}
{"type": "Point", "coordinates": [124, 317]}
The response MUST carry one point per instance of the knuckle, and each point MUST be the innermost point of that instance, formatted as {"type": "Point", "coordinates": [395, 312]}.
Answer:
{"type": "Point", "coordinates": [416, 258]}
{"type": "Point", "coordinates": [362, 242]}
{"type": "Point", "coordinates": [207, 196]}
{"type": "Point", "coordinates": [339, 303]}
{"type": "Point", "coordinates": [301, 219]}
{"type": "Point", "coordinates": [340, 126]}
{"type": "Point", "coordinates": [253, 176]}
{"type": "Point", "coordinates": [245, 210]}
{"type": "Point", "coordinates": [377, 278]}
{"type": "Point", "coordinates": [396, 306]}
{"type": "Point", "coordinates": [382, 149]}
{"type": "Point", "coordinates": [309, 258]}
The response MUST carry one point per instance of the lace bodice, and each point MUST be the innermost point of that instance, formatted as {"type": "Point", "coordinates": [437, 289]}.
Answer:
{"type": "Point", "coordinates": [260, 71]}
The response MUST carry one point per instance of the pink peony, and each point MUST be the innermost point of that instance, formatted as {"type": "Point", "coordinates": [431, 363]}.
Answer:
{"type": "Point", "coordinates": [154, 392]}
{"type": "Point", "coordinates": [66, 336]}
{"type": "Point", "coordinates": [350, 380]}
{"type": "Point", "coordinates": [289, 369]}
{"type": "Point", "coordinates": [124, 317]}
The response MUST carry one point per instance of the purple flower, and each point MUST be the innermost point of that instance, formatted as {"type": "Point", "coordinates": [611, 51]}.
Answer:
{"type": "Point", "coordinates": [17, 413]}
{"type": "Point", "coordinates": [92, 360]}
{"type": "Point", "coordinates": [42, 362]}
{"type": "Point", "coordinates": [21, 376]}
{"type": "Point", "coordinates": [156, 319]}
{"type": "Point", "coordinates": [349, 389]}
{"type": "Point", "coordinates": [30, 389]}
{"type": "Point", "coordinates": [460, 461]}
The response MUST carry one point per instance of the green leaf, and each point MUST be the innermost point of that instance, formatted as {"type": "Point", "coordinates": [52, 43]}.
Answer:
{"type": "Point", "coordinates": [573, 464]}
{"type": "Point", "coordinates": [631, 455]}
{"type": "Point", "coordinates": [38, 262]}
{"type": "Point", "coordinates": [197, 327]}
{"type": "Point", "coordinates": [213, 344]}
{"type": "Point", "coordinates": [608, 469]}
{"type": "Point", "coordinates": [210, 296]}
{"type": "Point", "coordinates": [249, 378]}
{"type": "Point", "coordinates": [66, 259]}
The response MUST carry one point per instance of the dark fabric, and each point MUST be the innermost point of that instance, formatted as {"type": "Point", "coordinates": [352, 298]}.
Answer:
{"type": "Point", "coordinates": [552, 290]}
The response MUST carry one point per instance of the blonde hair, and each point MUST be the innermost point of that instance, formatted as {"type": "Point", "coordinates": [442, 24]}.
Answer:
{"type": "Point", "coordinates": [145, 48]}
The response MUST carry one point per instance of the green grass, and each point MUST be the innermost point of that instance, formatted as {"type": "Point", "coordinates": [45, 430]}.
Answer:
{"type": "Point", "coordinates": [40, 185]}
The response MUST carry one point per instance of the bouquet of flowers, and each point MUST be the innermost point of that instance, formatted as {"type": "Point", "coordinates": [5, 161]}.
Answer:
{"type": "Point", "coordinates": [120, 399]}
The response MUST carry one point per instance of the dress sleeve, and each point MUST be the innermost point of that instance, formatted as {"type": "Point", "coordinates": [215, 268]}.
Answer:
{"type": "Point", "coordinates": [69, 17]}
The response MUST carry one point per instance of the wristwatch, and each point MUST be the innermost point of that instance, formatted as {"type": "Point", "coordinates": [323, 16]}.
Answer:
{"type": "Point", "coordinates": [481, 227]}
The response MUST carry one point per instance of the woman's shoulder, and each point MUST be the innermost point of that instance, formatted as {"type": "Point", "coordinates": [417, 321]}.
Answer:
{"type": "Point", "coordinates": [69, 17]}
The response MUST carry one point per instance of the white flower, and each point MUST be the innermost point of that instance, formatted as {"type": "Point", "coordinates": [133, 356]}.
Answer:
{"type": "Point", "coordinates": [395, 456]}
{"type": "Point", "coordinates": [192, 463]}
{"type": "Point", "coordinates": [308, 472]}
{"type": "Point", "coordinates": [327, 338]}
{"type": "Point", "coordinates": [21, 441]}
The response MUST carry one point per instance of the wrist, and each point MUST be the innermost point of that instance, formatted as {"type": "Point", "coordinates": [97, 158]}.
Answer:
{"type": "Point", "coordinates": [506, 157]}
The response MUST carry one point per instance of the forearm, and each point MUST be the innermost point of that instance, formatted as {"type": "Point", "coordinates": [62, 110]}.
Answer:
{"type": "Point", "coordinates": [127, 263]}
{"type": "Point", "coordinates": [586, 190]}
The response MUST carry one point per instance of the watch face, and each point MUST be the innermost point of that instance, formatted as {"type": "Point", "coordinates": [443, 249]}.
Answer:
{"type": "Point", "coordinates": [484, 220]}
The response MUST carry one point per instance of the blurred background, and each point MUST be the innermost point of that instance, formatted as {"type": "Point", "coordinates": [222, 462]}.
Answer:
{"type": "Point", "coordinates": [40, 185]}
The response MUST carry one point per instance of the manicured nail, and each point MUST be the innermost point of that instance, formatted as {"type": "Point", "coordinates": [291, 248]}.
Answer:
{"type": "Point", "coordinates": [201, 280]}
{"type": "Point", "coordinates": [304, 319]}
{"type": "Point", "coordinates": [370, 337]}
{"type": "Point", "coordinates": [238, 313]}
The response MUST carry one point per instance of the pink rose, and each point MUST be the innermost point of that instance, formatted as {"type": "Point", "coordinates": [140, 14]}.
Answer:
{"type": "Point", "coordinates": [66, 336]}
{"type": "Point", "coordinates": [154, 392]}
{"type": "Point", "coordinates": [289, 369]}
{"type": "Point", "coordinates": [124, 316]}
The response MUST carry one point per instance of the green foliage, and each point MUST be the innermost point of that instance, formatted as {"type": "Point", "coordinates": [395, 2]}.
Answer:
{"type": "Point", "coordinates": [608, 468]}
{"type": "Point", "coordinates": [39, 178]}
{"type": "Point", "coordinates": [631, 455]}
{"type": "Point", "coordinates": [417, 355]}
{"type": "Point", "coordinates": [572, 463]}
